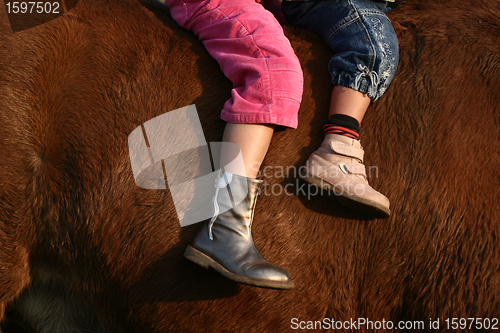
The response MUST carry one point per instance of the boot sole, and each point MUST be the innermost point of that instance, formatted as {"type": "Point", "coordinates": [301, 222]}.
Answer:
{"type": "Point", "coordinates": [365, 207]}
{"type": "Point", "coordinates": [205, 261]}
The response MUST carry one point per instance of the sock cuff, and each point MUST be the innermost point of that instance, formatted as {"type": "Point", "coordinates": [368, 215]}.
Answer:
{"type": "Point", "coordinates": [344, 121]}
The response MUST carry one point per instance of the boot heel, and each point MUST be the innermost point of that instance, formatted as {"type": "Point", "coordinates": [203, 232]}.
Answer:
{"type": "Point", "coordinates": [196, 257]}
{"type": "Point", "coordinates": [333, 191]}
{"type": "Point", "coordinates": [316, 181]}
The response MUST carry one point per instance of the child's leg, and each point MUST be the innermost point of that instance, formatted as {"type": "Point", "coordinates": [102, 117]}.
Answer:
{"type": "Point", "coordinates": [364, 63]}
{"type": "Point", "coordinates": [349, 102]}
{"type": "Point", "coordinates": [253, 140]}
{"type": "Point", "coordinates": [249, 45]}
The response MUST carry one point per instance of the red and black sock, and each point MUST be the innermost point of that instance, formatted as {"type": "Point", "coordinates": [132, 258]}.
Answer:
{"type": "Point", "coordinates": [343, 125]}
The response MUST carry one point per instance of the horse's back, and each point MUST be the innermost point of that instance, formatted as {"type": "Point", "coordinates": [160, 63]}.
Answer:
{"type": "Point", "coordinates": [84, 248]}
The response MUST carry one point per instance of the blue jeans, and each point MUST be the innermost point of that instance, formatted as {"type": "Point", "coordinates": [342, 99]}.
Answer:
{"type": "Point", "coordinates": [365, 45]}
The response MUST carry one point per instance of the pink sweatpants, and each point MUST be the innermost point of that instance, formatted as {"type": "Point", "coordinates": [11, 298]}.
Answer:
{"type": "Point", "coordinates": [249, 44]}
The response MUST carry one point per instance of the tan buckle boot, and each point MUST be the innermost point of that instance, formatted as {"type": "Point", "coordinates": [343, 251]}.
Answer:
{"type": "Point", "coordinates": [338, 166]}
{"type": "Point", "coordinates": [225, 243]}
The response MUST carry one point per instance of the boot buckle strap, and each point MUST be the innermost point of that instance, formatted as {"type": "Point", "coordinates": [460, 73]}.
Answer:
{"type": "Point", "coordinates": [353, 169]}
{"type": "Point", "coordinates": [347, 150]}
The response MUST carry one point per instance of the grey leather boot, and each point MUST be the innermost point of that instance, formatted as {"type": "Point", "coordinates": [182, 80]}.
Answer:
{"type": "Point", "coordinates": [225, 243]}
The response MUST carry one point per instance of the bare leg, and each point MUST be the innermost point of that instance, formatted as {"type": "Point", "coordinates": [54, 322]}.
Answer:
{"type": "Point", "coordinates": [253, 140]}
{"type": "Point", "coordinates": [349, 102]}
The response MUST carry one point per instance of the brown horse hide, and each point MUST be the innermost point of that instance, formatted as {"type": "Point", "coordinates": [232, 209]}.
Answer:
{"type": "Point", "coordinates": [84, 249]}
